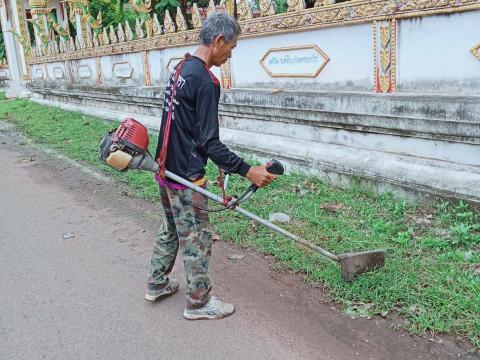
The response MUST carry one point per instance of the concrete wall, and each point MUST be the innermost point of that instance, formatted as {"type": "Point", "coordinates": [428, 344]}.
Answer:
{"type": "Point", "coordinates": [432, 56]}
{"type": "Point", "coordinates": [407, 143]}
{"type": "Point", "coordinates": [349, 48]}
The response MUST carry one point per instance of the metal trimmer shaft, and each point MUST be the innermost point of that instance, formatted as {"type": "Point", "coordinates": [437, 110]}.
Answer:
{"type": "Point", "coordinates": [352, 264]}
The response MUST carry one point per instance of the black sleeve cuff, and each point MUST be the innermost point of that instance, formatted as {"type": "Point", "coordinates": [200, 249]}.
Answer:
{"type": "Point", "coordinates": [243, 170]}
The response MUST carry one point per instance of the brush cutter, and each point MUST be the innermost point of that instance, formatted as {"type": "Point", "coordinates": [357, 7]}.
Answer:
{"type": "Point", "coordinates": [127, 148]}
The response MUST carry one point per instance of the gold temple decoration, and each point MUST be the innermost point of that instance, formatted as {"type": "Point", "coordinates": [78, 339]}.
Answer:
{"type": "Point", "coordinates": [324, 3]}
{"type": "Point", "coordinates": [385, 59]}
{"type": "Point", "coordinates": [128, 31]}
{"type": "Point", "coordinates": [146, 69]}
{"type": "Point", "coordinates": [71, 13]}
{"type": "Point", "coordinates": [39, 30]}
{"type": "Point", "coordinates": [95, 24]}
{"type": "Point", "coordinates": [156, 26]}
{"type": "Point", "coordinates": [226, 75]}
{"type": "Point", "coordinates": [85, 37]}
{"type": "Point", "coordinates": [244, 10]}
{"type": "Point", "coordinates": [141, 7]}
{"type": "Point", "coordinates": [106, 39]}
{"type": "Point", "coordinates": [196, 18]}
{"type": "Point", "coordinates": [96, 40]}
{"type": "Point", "coordinates": [180, 20]}
{"type": "Point", "coordinates": [58, 28]}
{"type": "Point", "coordinates": [38, 3]}
{"type": "Point", "coordinates": [476, 51]}
{"type": "Point", "coordinates": [168, 23]}
{"type": "Point", "coordinates": [89, 42]}
{"type": "Point", "coordinates": [61, 45]}
{"type": "Point", "coordinates": [424, 4]}
{"type": "Point", "coordinates": [23, 38]}
{"type": "Point", "coordinates": [120, 33]}
{"type": "Point", "coordinates": [384, 55]}
{"type": "Point", "coordinates": [71, 44]}
{"type": "Point", "coordinates": [393, 66]}
{"type": "Point", "coordinates": [138, 29]}
{"type": "Point", "coordinates": [211, 8]}
{"type": "Point", "coordinates": [267, 8]}
{"type": "Point", "coordinates": [384, 83]}
{"type": "Point", "coordinates": [113, 35]}
{"type": "Point", "coordinates": [325, 59]}
{"type": "Point", "coordinates": [149, 27]}
{"type": "Point", "coordinates": [385, 35]}
{"type": "Point", "coordinates": [229, 6]}
{"type": "Point", "coordinates": [296, 5]}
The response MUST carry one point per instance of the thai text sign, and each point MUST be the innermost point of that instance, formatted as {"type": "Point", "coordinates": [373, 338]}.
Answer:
{"type": "Point", "coordinates": [298, 61]}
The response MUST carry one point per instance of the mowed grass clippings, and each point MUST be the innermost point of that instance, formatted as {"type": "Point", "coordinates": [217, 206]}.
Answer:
{"type": "Point", "coordinates": [432, 271]}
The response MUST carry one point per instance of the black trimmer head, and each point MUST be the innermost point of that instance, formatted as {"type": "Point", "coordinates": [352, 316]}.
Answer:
{"type": "Point", "coordinates": [356, 263]}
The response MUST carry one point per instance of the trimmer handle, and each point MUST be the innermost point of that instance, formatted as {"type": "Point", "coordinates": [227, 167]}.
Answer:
{"type": "Point", "coordinates": [273, 167]}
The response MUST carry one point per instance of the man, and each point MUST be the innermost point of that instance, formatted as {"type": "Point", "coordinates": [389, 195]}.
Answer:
{"type": "Point", "coordinates": [191, 98]}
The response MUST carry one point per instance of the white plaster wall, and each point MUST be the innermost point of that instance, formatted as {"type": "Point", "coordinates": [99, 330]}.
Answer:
{"type": "Point", "coordinates": [37, 72]}
{"type": "Point", "coordinates": [134, 60]}
{"type": "Point", "coordinates": [431, 149]}
{"type": "Point", "coordinates": [159, 60]}
{"type": "Point", "coordinates": [350, 49]}
{"type": "Point", "coordinates": [437, 48]}
{"type": "Point", "coordinates": [106, 65]}
{"type": "Point", "coordinates": [5, 72]}
{"type": "Point", "coordinates": [56, 72]}
{"type": "Point", "coordinates": [90, 63]}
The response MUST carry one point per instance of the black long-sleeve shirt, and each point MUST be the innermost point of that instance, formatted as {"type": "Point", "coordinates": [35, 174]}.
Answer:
{"type": "Point", "coordinates": [194, 131]}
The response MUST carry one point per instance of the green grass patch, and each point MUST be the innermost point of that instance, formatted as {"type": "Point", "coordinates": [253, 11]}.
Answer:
{"type": "Point", "coordinates": [432, 272]}
{"type": "Point", "coordinates": [2, 95]}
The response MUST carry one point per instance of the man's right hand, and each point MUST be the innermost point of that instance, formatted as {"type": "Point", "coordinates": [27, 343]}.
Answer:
{"type": "Point", "coordinates": [259, 176]}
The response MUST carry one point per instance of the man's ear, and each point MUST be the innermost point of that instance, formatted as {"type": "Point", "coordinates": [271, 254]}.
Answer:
{"type": "Point", "coordinates": [219, 41]}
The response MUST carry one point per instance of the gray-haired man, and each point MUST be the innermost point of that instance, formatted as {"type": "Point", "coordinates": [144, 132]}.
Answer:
{"type": "Point", "coordinates": [191, 98]}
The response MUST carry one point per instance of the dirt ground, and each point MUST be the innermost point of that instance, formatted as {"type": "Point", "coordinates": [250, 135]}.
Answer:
{"type": "Point", "coordinates": [82, 297]}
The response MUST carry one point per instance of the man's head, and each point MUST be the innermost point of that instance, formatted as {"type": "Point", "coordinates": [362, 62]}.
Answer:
{"type": "Point", "coordinates": [219, 34]}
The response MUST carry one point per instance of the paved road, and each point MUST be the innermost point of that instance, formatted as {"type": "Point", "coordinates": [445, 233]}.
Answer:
{"type": "Point", "coordinates": [82, 298]}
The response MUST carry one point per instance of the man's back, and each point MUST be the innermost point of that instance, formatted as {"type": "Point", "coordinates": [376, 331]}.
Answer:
{"type": "Point", "coordinates": [194, 133]}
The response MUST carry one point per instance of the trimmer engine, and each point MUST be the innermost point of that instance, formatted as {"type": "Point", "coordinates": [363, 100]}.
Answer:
{"type": "Point", "coordinates": [127, 147]}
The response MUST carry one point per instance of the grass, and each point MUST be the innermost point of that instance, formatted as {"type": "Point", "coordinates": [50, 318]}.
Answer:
{"type": "Point", "coordinates": [432, 272]}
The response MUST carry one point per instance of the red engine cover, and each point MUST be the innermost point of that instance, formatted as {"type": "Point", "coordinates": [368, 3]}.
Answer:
{"type": "Point", "coordinates": [132, 132]}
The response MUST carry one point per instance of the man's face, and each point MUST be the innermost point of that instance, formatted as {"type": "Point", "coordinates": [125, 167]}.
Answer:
{"type": "Point", "coordinates": [222, 51]}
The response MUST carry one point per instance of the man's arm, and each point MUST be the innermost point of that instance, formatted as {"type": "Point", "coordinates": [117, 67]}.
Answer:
{"type": "Point", "coordinates": [209, 135]}
{"type": "Point", "coordinates": [209, 140]}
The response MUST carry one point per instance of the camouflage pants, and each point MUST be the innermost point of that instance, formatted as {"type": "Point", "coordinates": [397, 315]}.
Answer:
{"type": "Point", "coordinates": [187, 227]}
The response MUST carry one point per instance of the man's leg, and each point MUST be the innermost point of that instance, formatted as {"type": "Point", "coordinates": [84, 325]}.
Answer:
{"type": "Point", "coordinates": [164, 253]}
{"type": "Point", "coordinates": [195, 235]}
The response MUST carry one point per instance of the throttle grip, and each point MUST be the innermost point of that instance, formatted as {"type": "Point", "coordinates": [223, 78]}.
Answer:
{"type": "Point", "coordinates": [273, 167]}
